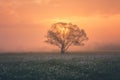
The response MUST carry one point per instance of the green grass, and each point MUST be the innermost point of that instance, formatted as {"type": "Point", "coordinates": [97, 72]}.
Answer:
{"type": "Point", "coordinates": [87, 66]}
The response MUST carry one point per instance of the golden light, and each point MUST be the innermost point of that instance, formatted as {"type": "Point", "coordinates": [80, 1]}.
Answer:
{"type": "Point", "coordinates": [61, 19]}
{"type": "Point", "coordinates": [63, 30]}
{"type": "Point", "coordinates": [72, 19]}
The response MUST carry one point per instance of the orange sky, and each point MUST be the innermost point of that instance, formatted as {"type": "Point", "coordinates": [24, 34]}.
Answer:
{"type": "Point", "coordinates": [24, 23]}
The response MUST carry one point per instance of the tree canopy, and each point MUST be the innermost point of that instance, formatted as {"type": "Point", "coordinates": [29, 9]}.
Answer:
{"type": "Point", "coordinates": [64, 35]}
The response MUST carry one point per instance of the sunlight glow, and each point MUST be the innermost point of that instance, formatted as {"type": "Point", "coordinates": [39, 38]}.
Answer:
{"type": "Point", "coordinates": [63, 30]}
{"type": "Point", "coordinates": [63, 19]}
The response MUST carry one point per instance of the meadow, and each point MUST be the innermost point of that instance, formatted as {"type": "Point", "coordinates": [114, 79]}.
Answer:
{"type": "Point", "coordinates": [53, 66]}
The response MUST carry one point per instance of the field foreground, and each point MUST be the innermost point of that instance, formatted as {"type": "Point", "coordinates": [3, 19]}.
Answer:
{"type": "Point", "coordinates": [87, 66]}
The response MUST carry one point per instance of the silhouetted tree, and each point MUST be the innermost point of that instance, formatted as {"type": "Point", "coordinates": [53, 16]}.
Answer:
{"type": "Point", "coordinates": [64, 35]}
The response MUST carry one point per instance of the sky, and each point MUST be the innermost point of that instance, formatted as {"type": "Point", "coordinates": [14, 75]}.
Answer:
{"type": "Point", "coordinates": [24, 23]}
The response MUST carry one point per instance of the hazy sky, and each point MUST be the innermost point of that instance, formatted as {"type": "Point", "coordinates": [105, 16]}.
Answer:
{"type": "Point", "coordinates": [24, 23]}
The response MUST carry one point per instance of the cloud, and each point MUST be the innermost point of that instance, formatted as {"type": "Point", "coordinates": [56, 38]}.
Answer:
{"type": "Point", "coordinates": [86, 7]}
{"type": "Point", "coordinates": [33, 9]}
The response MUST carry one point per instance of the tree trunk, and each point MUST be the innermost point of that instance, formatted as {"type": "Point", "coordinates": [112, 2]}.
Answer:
{"type": "Point", "coordinates": [62, 49]}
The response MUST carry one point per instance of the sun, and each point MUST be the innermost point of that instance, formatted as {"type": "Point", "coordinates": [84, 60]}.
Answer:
{"type": "Point", "coordinates": [63, 30]}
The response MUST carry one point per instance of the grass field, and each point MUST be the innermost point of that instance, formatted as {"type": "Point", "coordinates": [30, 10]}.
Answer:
{"type": "Point", "coordinates": [84, 66]}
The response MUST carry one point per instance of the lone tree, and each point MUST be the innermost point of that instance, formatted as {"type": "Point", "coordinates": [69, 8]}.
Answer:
{"type": "Point", "coordinates": [64, 35]}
